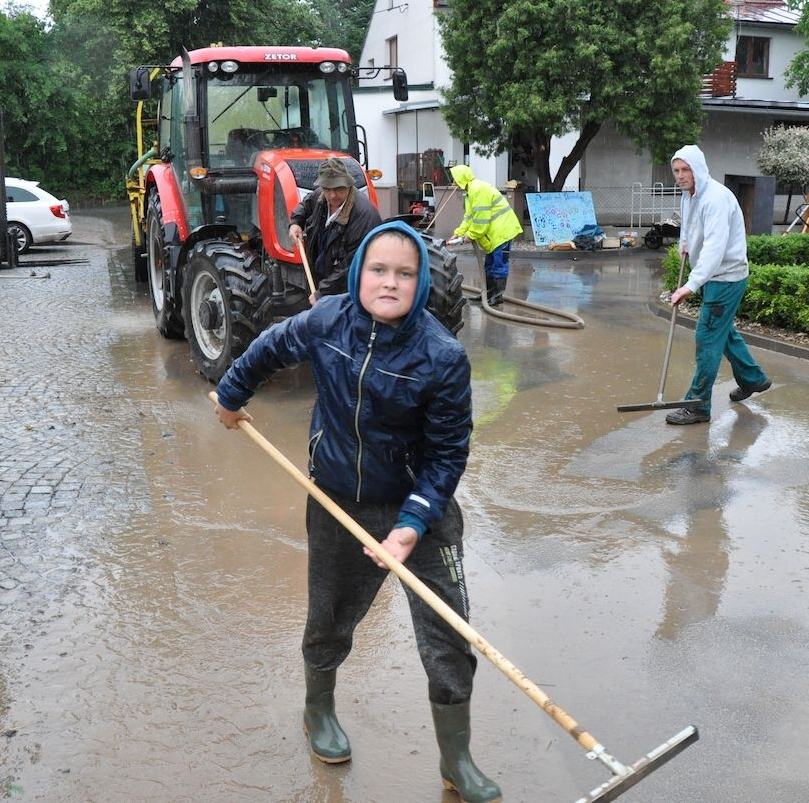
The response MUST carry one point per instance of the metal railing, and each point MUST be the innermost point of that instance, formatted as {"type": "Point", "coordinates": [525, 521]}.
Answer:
{"type": "Point", "coordinates": [721, 82]}
{"type": "Point", "coordinates": [654, 204]}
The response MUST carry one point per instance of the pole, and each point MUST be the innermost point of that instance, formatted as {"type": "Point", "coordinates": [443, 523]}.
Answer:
{"type": "Point", "coordinates": [8, 249]}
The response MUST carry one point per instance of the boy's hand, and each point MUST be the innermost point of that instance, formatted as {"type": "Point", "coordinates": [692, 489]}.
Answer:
{"type": "Point", "coordinates": [399, 543]}
{"type": "Point", "coordinates": [231, 418]}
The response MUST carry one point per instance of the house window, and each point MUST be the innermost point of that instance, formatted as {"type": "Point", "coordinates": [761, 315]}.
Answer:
{"type": "Point", "coordinates": [752, 57]}
{"type": "Point", "coordinates": [393, 51]}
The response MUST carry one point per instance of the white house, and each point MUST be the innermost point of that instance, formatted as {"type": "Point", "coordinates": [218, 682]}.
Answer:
{"type": "Point", "coordinates": [745, 96]}
{"type": "Point", "coordinates": [410, 141]}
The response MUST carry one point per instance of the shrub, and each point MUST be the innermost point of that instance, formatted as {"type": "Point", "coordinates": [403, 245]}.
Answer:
{"type": "Point", "coordinates": [768, 249]}
{"type": "Point", "coordinates": [777, 293]}
{"type": "Point", "coordinates": [785, 154]}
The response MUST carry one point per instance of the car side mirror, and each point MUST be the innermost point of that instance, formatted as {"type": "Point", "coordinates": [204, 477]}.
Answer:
{"type": "Point", "coordinates": [399, 77]}
{"type": "Point", "coordinates": [140, 87]}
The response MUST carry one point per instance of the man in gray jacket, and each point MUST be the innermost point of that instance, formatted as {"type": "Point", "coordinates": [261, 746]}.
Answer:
{"type": "Point", "coordinates": [712, 234]}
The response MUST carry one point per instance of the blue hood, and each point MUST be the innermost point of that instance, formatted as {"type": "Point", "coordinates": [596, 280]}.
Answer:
{"type": "Point", "coordinates": [423, 286]}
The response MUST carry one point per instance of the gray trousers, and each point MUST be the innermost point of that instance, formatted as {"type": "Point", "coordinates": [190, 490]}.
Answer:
{"type": "Point", "coordinates": [343, 583]}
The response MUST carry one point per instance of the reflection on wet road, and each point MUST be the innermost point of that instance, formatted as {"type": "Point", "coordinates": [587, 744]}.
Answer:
{"type": "Point", "coordinates": [153, 565]}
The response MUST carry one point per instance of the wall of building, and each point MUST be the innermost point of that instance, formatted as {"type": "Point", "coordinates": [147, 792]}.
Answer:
{"type": "Point", "coordinates": [613, 163]}
{"type": "Point", "coordinates": [784, 44]}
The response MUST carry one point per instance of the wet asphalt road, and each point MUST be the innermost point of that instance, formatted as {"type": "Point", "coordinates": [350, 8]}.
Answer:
{"type": "Point", "coordinates": [153, 565]}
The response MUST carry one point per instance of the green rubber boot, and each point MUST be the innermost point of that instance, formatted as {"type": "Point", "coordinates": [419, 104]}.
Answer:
{"type": "Point", "coordinates": [326, 738]}
{"type": "Point", "coordinates": [458, 770]}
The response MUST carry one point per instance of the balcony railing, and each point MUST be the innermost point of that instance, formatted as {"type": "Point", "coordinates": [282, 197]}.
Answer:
{"type": "Point", "coordinates": [721, 83]}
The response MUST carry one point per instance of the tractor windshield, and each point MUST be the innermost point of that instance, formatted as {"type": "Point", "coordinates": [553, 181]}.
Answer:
{"type": "Point", "coordinates": [274, 108]}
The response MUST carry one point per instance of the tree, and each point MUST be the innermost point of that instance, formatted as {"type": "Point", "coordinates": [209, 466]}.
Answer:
{"type": "Point", "coordinates": [41, 106]}
{"type": "Point", "coordinates": [785, 154]}
{"type": "Point", "coordinates": [526, 70]}
{"type": "Point", "coordinates": [797, 73]}
{"type": "Point", "coordinates": [346, 22]}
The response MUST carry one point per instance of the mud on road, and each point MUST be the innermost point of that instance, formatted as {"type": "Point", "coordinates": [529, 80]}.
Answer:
{"type": "Point", "coordinates": [153, 565]}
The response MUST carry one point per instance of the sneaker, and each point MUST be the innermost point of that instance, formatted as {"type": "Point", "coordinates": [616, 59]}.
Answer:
{"type": "Point", "coordinates": [685, 416]}
{"type": "Point", "coordinates": [740, 393]}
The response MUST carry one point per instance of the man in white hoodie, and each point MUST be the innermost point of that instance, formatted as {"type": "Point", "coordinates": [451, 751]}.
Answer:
{"type": "Point", "coordinates": [712, 234]}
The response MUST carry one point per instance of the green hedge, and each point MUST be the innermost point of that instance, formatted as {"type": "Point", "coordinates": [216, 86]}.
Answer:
{"type": "Point", "coordinates": [778, 292]}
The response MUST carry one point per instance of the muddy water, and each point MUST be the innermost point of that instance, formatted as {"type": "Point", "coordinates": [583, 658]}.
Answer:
{"type": "Point", "coordinates": [646, 576]}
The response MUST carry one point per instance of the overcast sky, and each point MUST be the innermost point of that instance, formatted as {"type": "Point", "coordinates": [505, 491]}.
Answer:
{"type": "Point", "coordinates": [38, 7]}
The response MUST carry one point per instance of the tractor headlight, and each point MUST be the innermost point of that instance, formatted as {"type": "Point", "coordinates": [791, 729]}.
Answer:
{"type": "Point", "coordinates": [327, 67]}
{"type": "Point", "coordinates": [342, 66]}
{"type": "Point", "coordinates": [230, 66]}
{"type": "Point", "coordinates": [213, 66]}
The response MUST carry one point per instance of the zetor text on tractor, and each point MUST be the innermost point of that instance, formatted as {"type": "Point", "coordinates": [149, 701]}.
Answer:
{"type": "Point", "coordinates": [238, 134]}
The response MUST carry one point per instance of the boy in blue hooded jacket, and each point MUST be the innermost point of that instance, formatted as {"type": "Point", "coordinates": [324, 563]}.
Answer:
{"type": "Point", "coordinates": [389, 441]}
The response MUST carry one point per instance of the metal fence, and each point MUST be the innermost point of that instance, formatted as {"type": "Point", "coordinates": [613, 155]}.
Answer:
{"type": "Point", "coordinates": [634, 206]}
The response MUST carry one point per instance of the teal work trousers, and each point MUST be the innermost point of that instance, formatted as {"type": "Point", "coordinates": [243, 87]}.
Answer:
{"type": "Point", "coordinates": [716, 335]}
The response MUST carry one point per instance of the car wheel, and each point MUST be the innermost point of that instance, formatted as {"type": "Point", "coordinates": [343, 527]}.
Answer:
{"type": "Point", "coordinates": [21, 236]}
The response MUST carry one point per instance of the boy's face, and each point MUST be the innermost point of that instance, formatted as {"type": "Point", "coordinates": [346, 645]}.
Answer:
{"type": "Point", "coordinates": [389, 278]}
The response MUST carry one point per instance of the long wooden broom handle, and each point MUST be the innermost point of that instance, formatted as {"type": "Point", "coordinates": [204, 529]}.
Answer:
{"type": "Point", "coordinates": [561, 717]}
{"type": "Point", "coordinates": [306, 268]}
{"type": "Point", "coordinates": [670, 340]}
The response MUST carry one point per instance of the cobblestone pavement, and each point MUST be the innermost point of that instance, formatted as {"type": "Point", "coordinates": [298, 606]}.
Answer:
{"type": "Point", "coordinates": [56, 463]}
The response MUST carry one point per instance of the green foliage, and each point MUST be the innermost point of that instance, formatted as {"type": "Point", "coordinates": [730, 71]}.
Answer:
{"type": "Point", "coordinates": [778, 287]}
{"type": "Point", "coordinates": [785, 154]}
{"type": "Point", "coordinates": [41, 106]}
{"type": "Point", "coordinates": [346, 22]}
{"type": "Point", "coordinates": [525, 70]}
{"type": "Point", "coordinates": [797, 73]}
{"type": "Point", "coordinates": [69, 120]}
{"type": "Point", "coordinates": [778, 295]}
{"type": "Point", "coordinates": [768, 249]}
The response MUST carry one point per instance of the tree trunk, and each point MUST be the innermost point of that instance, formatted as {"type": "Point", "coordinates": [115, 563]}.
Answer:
{"type": "Point", "coordinates": [542, 155]}
{"type": "Point", "coordinates": [589, 130]}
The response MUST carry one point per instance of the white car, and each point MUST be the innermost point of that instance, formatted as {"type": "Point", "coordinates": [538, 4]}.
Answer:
{"type": "Point", "coordinates": [35, 216]}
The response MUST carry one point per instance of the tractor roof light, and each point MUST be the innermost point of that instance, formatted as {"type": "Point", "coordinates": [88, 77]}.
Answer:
{"type": "Point", "coordinates": [213, 66]}
{"type": "Point", "coordinates": [327, 67]}
{"type": "Point", "coordinates": [230, 66]}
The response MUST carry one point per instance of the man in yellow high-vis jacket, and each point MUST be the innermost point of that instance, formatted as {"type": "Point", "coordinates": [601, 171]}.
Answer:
{"type": "Point", "coordinates": [491, 223]}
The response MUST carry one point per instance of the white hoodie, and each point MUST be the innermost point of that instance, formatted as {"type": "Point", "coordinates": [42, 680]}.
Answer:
{"type": "Point", "coordinates": [712, 226]}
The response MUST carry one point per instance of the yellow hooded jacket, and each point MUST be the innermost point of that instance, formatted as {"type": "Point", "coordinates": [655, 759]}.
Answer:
{"type": "Point", "coordinates": [488, 219]}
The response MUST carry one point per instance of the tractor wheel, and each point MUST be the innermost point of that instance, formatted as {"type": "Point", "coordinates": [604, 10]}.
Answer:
{"type": "Point", "coordinates": [140, 261]}
{"type": "Point", "coordinates": [167, 309]}
{"type": "Point", "coordinates": [20, 236]}
{"type": "Point", "coordinates": [446, 300]}
{"type": "Point", "coordinates": [221, 304]}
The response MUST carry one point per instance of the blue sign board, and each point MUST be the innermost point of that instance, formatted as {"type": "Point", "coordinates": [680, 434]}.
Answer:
{"type": "Point", "coordinates": [557, 217]}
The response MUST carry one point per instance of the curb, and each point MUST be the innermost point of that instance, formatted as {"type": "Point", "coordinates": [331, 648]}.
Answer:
{"type": "Point", "coordinates": [752, 339]}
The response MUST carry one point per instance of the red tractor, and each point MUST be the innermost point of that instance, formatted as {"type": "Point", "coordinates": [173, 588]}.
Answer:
{"type": "Point", "coordinates": [239, 133]}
